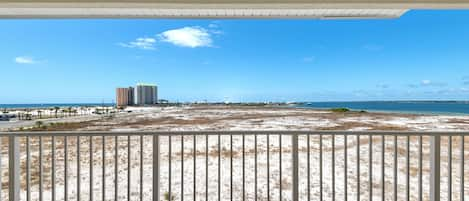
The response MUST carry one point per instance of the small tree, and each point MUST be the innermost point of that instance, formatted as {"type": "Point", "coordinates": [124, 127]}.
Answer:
{"type": "Point", "coordinates": [39, 124]}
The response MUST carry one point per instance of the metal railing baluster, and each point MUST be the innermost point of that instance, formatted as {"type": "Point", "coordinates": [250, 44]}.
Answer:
{"type": "Point", "coordinates": [255, 167]}
{"type": "Point", "coordinates": [244, 168]}
{"type": "Point", "coordinates": [1, 169]}
{"type": "Point", "coordinates": [395, 169]}
{"type": "Point", "coordinates": [320, 168]}
{"type": "Point", "coordinates": [345, 167]}
{"type": "Point", "coordinates": [156, 167]}
{"type": "Point", "coordinates": [206, 167]}
{"type": "Point", "coordinates": [420, 192]}
{"type": "Point", "coordinates": [65, 168]}
{"type": "Point", "coordinates": [268, 167]}
{"type": "Point", "coordinates": [219, 167]}
{"type": "Point", "coordinates": [450, 167]}
{"type": "Point", "coordinates": [308, 168]}
{"type": "Point", "coordinates": [129, 170]}
{"type": "Point", "coordinates": [78, 169]}
{"type": "Point", "coordinates": [435, 144]}
{"type": "Point", "coordinates": [91, 169]}
{"type": "Point", "coordinates": [182, 167]}
{"type": "Point", "coordinates": [103, 150]}
{"type": "Point", "coordinates": [41, 176]}
{"type": "Point", "coordinates": [194, 156]}
{"type": "Point", "coordinates": [53, 188]}
{"type": "Point", "coordinates": [280, 166]}
{"type": "Point", "coordinates": [358, 167]}
{"type": "Point", "coordinates": [14, 168]}
{"type": "Point", "coordinates": [295, 182]}
{"type": "Point", "coordinates": [116, 167]}
{"type": "Point", "coordinates": [383, 165]}
{"type": "Point", "coordinates": [231, 167]}
{"type": "Point", "coordinates": [333, 167]}
{"type": "Point", "coordinates": [370, 167]}
{"type": "Point", "coordinates": [170, 144]}
{"type": "Point", "coordinates": [461, 169]}
{"type": "Point", "coordinates": [407, 158]}
{"type": "Point", "coordinates": [28, 170]}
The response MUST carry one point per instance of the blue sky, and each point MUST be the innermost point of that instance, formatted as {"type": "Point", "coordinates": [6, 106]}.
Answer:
{"type": "Point", "coordinates": [424, 55]}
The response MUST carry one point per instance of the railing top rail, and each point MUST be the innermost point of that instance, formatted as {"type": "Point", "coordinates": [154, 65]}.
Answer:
{"type": "Point", "coordinates": [226, 132]}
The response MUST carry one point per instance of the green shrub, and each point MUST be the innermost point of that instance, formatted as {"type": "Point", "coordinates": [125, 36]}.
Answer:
{"type": "Point", "coordinates": [167, 197]}
{"type": "Point", "coordinates": [341, 109]}
{"type": "Point", "coordinates": [39, 124]}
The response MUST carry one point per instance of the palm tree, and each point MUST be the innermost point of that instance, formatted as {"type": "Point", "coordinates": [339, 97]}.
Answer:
{"type": "Point", "coordinates": [50, 111]}
{"type": "Point", "coordinates": [39, 113]}
{"type": "Point", "coordinates": [56, 110]}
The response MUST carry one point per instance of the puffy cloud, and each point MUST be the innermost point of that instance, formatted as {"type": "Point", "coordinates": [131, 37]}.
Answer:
{"type": "Point", "coordinates": [187, 37]}
{"type": "Point", "coordinates": [25, 60]}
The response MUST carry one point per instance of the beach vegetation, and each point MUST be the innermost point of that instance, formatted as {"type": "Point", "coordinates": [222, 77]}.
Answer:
{"type": "Point", "coordinates": [340, 109]}
{"type": "Point", "coordinates": [168, 197]}
{"type": "Point", "coordinates": [40, 125]}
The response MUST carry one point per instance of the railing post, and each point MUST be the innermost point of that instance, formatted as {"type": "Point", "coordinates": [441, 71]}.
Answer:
{"type": "Point", "coordinates": [14, 168]}
{"type": "Point", "coordinates": [156, 167]}
{"type": "Point", "coordinates": [435, 144]}
{"type": "Point", "coordinates": [295, 193]}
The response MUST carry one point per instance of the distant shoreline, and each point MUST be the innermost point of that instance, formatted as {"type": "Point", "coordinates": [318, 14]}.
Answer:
{"type": "Point", "coordinates": [424, 107]}
{"type": "Point", "coordinates": [453, 108]}
{"type": "Point", "coordinates": [51, 105]}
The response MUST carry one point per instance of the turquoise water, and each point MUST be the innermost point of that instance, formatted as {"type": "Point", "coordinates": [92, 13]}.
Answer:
{"type": "Point", "coordinates": [417, 107]}
{"type": "Point", "coordinates": [50, 105]}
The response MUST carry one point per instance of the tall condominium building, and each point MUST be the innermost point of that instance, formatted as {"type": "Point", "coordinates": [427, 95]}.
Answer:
{"type": "Point", "coordinates": [146, 94]}
{"type": "Point", "coordinates": [131, 96]}
{"type": "Point", "coordinates": [122, 96]}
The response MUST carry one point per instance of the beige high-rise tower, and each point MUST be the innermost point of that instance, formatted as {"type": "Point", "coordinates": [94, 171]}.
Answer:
{"type": "Point", "coordinates": [124, 96]}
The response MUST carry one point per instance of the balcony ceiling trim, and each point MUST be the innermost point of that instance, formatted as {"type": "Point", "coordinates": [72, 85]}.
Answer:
{"type": "Point", "coordinates": [219, 9]}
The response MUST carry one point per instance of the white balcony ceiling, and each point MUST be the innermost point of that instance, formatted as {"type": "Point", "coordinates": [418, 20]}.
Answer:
{"type": "Point", "coordinates": [323, 9]}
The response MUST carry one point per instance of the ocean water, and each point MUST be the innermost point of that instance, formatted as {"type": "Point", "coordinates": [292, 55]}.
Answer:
{"type": "Point", "coordinates": [414, 107]}
{"type": "Point", "coordinates": [50, 105]}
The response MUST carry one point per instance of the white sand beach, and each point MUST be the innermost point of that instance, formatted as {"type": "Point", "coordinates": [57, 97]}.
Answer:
{"type": "Point", "coordinates": [246, 118]}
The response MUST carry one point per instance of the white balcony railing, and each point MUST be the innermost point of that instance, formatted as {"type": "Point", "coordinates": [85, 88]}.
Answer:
{"type": "Point", "coordinates": [232, 165]}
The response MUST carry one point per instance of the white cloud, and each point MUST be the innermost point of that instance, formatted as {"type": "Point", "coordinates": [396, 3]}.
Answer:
{"type": "Point", "coordinates": [145, 43]}
{"type": "Point", "coordinates": [213, 25]}
{"type": "Point", "coordinates": [426, 82]}
{"type": "Point", "coordinates": [187, 37]}
{"type": "Point", "coordinates": [432, 83]}
{"type": "Point", "coordinates": [25, 60]}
